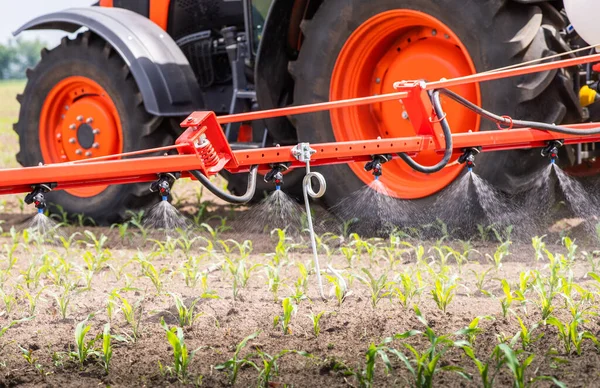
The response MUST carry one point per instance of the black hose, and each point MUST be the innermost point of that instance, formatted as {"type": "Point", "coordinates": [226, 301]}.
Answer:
{"type": "Point", "coordinates": [224, 195]}
{"type": "Point", "coordinates": [517, 123]}
{"type": "Point", "coordinates": [437, 106]}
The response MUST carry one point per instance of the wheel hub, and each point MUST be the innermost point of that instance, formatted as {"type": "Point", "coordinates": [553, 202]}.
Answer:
{"type": "Point", "coordinates": [393, 46]}
{"type": "Point", "coordinates": [79, 121]}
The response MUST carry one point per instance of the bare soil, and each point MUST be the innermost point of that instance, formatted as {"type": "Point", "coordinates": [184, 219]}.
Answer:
{"type": "Point", "coordinates": [346, 330]}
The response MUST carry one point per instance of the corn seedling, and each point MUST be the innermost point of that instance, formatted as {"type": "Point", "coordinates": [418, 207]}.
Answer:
{"type": "Point", "coordinates": [63, 300]}
{"type": "Point", "coordinates": [4, 329]}
{"type": "Point", "coordinates": [480, 280]}
{"type": "Point", "coordinates": [150, 272]}
{"type": "Point", "coordinates": [500, 253]}
{"type": "Point", "coordinates": [32, 299]}
{"type": "Point", "coordinates": [406, 288]}
{"type": "Point", "coordinates": [9, 300]}
{"type": "Point", "coordinates": [270, 367]}
{"type": "Point", "coordinates": [509, 298]}
{"type": "Point", "coordinates": [424, 366]}
{"type": "Point", "coordinates": [443, 291]}
{"type": "Point", "coordinates": [569, 333]}
{"type": "Point", "coordinates": [240, 274]}
{"type": "Point", "coordinates": [316, 322]}
{"type": "Point", "coordinates": [132, 314]}
{"type": "Point", "coordinates": [378, 287]}
{"type": "Point", "coordinates": [539, 246]}
{"type": "Point", "coordinates": [83, 349]}
{"type": "Point", "coordinates": [519, 368]}
{"type": "Point", "coordinates": [181, 355]}
{"type": "Point", "coordinates": [185, 314]}
{"type": "Point", "coordinates": [546, 292]}
{"type": "Point", "coordinates": [236, 363]}
{"type": "Point", "coordinates": [289, 309]}
{"type": "Point", "coordinates": [107, 350]}
{"type": "Point", "coordinates": [338, 288]}
{"type": "Point", "coordinates": [525, 335]}
{"type": "Point", "coordinates": [274, 280]}
{"type": "Point", "coordinates": [216, 231]}
{"type": "Point", "coordinates": [487, 378]}
{"type": "Point", "coordinates": [282, 248]}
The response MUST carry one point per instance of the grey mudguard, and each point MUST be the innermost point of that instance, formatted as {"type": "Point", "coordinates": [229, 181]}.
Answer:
{"type": "Point", "coordinates": [162, 72]}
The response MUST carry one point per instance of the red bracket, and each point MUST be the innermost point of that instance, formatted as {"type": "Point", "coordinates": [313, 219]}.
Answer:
{"type": "Point", "coordinates": [205, 138]}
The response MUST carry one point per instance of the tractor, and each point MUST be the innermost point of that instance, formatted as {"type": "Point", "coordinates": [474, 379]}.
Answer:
{"type": "Point", "coordinates": [132, 70]}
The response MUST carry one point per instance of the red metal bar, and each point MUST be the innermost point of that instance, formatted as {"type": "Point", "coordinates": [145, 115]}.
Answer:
{"type": "Point", "coordinates": [482, 77]}
{"type": "Point", "coordinates": [70, 175]}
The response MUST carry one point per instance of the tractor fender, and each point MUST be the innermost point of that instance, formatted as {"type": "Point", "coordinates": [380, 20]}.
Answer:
{"type": "Point", "coordinates": [163, 74]}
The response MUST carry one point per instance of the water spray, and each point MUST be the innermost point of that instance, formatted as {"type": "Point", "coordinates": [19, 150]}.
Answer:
{"type": "Point", "coordinates": [375, 165]}
{"type": "Point", "coordinates": [164, 184]}
{"type": "Point", "coordinates": [37, 197]}
{"type": "Point", "coordinates": [468, 157]}
{"type": "Point", "coordinates": [551, 150]}
{"type": "Point", "coordinates": [276, 174]}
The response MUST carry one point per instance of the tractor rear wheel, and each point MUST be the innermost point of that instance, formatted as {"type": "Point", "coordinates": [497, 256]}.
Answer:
{"type": "Point", "coordinates": [81, 101]}
{"type": "Point", "coordinates": [354, 48]}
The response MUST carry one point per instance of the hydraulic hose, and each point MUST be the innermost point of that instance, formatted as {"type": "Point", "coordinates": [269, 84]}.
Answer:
{"type": "Point", "coordinates": [517, 123]}
{"type": "Point", "coordinates": [437, 107]}
{"type": "Point", "coordinates": [251, 189]}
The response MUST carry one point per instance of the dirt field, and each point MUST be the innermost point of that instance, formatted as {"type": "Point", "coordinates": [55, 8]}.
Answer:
{"type": "Point", "coordinates": [101, 278]}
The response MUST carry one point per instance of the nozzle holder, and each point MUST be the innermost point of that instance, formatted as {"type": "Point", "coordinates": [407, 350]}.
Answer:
{"type": "Point", "coordinates": [551, 149]}
{"type": "Point", "coordinates": [37, 196]}
{"type": "Point", "coordinates": [276, 174]}
{"type": "Point", "coordinates": [468, 157]}
{"type": "Point", "coordinates": [375, 165]}
{"type": "Point", "coordinates": [164, 183]}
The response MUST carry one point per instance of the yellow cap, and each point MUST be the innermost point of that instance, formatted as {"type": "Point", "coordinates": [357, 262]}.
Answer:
{"type": "Point", "coordinates": [587, 96]}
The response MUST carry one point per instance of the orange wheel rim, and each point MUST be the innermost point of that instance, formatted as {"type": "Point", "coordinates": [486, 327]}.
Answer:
{"type": "Point", "coordinates": [78, 121]}
{"type": "Point", "coordinates": [393, 46]}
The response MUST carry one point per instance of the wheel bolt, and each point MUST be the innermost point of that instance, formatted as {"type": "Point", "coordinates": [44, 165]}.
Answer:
{"type": "Point", "coordinates": [58, 136]}
{"type": "Point", "coordinates": [72, 140]}
{"type": "Point", "coordinates": [434, 32]}
{"type": "Point", "coordinates": [78, 151]}
{"type": "Point", "coordinates": [96, 131]}
{"type": "Point", "coordinates": [88, 153]}
{"type": "Point", "coordinates": [89, 120]}
{"type": "Point", "coordinates": [95, 145]}
{"type": "Point", "coordinates": [80, 118]}
{"type": "Point", "coordinates": [73, 126]}
{"type": "Point", "coordinates": [405, 115]}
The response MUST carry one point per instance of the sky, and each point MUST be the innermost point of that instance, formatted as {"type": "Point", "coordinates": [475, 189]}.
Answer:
{"type": "Point", "coordinates": [15, 13]}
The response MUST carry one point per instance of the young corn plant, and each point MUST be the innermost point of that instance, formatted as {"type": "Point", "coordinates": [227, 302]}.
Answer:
{"type": "Point", "coordinates": [316, 322]}
{"type": "Point", "coordinates": [83, 349]}
{"type": "Point", "coordinates": [32, 298]}
{"type": "Point", "coordinates": [132, 314]}
{"type": "Point", "coordinates": [181, 356]}
{"type": "Point", "coordinates": [406, 288]}
{"type": "Point", "coordinates": [107, 350]}
{"type": "Point", "coordinates": [338, 288]}
{"type": "Point", "coordinates": [480, 280]}
{"type": "Point", "coordinates": [547, 290]}
{"type": "Point", "coordinates": [539, 246]}
{"type": "Point", "coordinates": [378, 287]}
{"type": "Point", "coordinates": [63, 300]}
{"type": "Point", "coordinates": [237, 362]}
{"type": "Point", "coordinates": [270, 367]}
{"type": "Point", "coordinates": [509, 297]}
{"type": "Point", "coordinates": [283, 247]}
{"type": "Point", "coordinates": [500, 253]}
{"type": "Point", "coordinates": [185, 314]}
{"type": "Point", "coordinates": [569, 333]}
{"type": "Point", "coordinates": [487, 376]}
{"type": "Point", "coordinates": [9, 300]}
{"type": "Point", "coordinates": [240, 274]}
{"type": "Point", "coordinates": [525, 335]}
{"type": "Point", "coordinates": [274, 281]}
{"type": "Point", "coordinates": [519, 368]}
{"type": "Point", "coordinates": [444, 290]}
{"type": "Point", "coordinates": [289, 310]}
{"type": "Point", "coordinates": [425, 365]}
{"type": "Point", "coordinates": [154, 275]}
{"type": "Point", "coordinates": [4, 329]}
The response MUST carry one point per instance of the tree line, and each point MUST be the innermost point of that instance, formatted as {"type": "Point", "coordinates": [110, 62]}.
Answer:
{"type": "Point", "coordinates": [17, 55]}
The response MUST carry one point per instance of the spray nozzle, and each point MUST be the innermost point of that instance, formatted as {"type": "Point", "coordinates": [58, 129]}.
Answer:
{"type": "Point", "coordinates": [164, 183]}
{"type": "Point", "coordinates": [551, 150]}
{"type": "Point", "coordinates": [37, 197]}
{"type": "Point", "coordinates": [376, 164]}
{"type": "Point", "coordinates": [276, 174]}
{"type": "Point", "coordinates": [468, 157]}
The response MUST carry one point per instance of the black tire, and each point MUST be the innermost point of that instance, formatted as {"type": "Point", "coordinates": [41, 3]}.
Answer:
{"type": "Point", "coordinates": [90, 56]}
{"type": "Point", "coordinates": [496, 33]}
